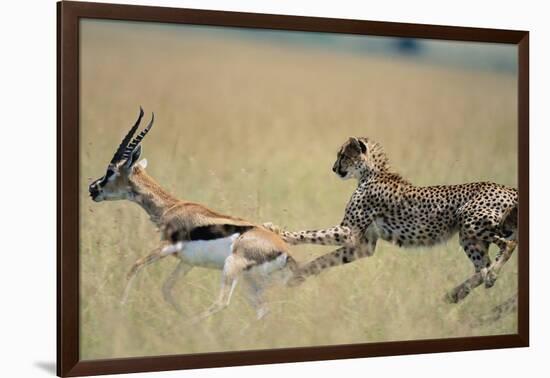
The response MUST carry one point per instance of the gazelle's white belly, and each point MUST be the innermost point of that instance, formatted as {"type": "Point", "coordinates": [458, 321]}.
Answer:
{"type": "Point", "coordinates": [207, 253]}
{"type": "Point", "coordinates": [214, 253]}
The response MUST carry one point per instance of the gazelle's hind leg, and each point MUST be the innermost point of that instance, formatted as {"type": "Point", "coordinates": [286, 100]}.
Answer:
{"type": "Point", "coordinates": [226, 291]}
{"type": "Point", "coordinates": [255, 295]}
{"type": "Point", "coordinates": [181, 270]}
{"type": "Point", "coordinates": [233, 267]}
{"type": "Point", "coordinates": [255, 287]}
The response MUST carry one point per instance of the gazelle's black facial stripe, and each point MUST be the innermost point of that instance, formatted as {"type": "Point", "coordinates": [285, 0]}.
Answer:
{"type": "Point", "coordinates": [95, 186]}
{"type": "Point", "coordinates": [102, 181]}
{"type": "Point", "coordinates": [108, 175]}
{"type": "Point", "coordinates": [97, 182]}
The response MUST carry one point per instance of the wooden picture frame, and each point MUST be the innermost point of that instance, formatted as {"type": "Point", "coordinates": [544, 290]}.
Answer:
{"type": "Point", "coordinates": [70, 13]}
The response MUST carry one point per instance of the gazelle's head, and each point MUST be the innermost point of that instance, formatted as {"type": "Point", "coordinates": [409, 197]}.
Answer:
{"type": "Point", "coordinates": [115, 184]}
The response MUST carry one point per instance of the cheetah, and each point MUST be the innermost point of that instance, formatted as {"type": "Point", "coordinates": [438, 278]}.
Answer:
{"type": "Point", "coordinates": [388, 207]}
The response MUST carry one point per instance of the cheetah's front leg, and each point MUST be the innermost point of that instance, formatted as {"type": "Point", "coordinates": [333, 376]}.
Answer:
{"type": "Point", "coordinates": [341, 256]}
{"type": "Point", "coordinates": [338, 235]}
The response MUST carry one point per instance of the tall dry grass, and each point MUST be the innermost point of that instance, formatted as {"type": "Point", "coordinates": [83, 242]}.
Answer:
{"type": "Point", "coordinates": [251, 129]}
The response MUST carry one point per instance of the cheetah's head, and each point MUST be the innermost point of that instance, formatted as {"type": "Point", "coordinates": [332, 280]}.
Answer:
{"type": "Point", "coordinates": [358, 156]}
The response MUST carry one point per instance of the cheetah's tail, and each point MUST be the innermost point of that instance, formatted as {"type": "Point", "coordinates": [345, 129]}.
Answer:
{"type": "Point", "coordinates": [498, 312]}
{"type": "Point", "coordinates": [509, 222]}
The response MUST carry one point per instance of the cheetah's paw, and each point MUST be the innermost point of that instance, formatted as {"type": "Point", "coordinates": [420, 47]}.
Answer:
{"type": "Point", "coordinates": [490, 278]}
{"type": "Point", "coordinates": [457, 294]}
{"type": "Point", "coordinates": [272, 227]}
{"type": "Point", "coordinates": [296, 280]}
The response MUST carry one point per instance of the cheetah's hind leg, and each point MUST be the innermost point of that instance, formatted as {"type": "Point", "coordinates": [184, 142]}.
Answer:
{"type": "Point", "coordinates": [484, 275]}
{"type": "Point", "coordinates": [507, 247]}
{"type": "Point", "coordinates": [478, 253]}
{"type": "Point", "coordinates": [461, 291]}
{"type": "Point", "coordinates": [504, 235]}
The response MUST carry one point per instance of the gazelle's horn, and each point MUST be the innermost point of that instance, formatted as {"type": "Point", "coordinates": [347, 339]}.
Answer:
{"type": "Point", "coordinates": [122, 147]}
{"type": "Point", "coordinates": [137, 140]}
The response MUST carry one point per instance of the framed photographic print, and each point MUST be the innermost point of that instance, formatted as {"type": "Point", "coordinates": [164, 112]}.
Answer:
{"type": "Point", "coordinates": [239, 188]}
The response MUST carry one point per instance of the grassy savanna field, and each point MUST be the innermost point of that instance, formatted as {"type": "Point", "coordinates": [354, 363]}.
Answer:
{"type": "Point", "coordinates": [251, 128]}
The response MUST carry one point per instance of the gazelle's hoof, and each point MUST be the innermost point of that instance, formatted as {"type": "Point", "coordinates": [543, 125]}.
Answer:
{"type": "Point", "coordinates": [261, 313]}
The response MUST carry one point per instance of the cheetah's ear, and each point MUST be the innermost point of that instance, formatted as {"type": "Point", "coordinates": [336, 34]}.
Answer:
{"type": "Point", "coordinates": [358, 145]}
{"type": "Point", "coordinates": [363, 146]}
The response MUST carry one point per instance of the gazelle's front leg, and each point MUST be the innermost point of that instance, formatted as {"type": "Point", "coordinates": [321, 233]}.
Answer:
{"type": "Point", "coordinates": [337, 235]}
{"type": "Point", "coordinates": [154, 256]}
{"type": "Point", "coordinates": [181, 270]}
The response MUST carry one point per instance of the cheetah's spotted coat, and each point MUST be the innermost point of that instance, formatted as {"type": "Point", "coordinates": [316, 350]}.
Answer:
{"type": "Point", "coordinates": [386, 206]}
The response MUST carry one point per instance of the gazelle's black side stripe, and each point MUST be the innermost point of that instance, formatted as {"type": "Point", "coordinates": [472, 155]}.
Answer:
{"type": "Point", "coordinates": [210, 232]}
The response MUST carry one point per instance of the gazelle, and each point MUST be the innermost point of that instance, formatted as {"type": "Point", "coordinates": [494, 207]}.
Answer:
{"type": "Point", "coordinates": [197, 235]}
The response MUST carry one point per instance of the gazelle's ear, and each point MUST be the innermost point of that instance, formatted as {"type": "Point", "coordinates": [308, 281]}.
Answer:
{"type": "Point", "coordinates": [143, 163]}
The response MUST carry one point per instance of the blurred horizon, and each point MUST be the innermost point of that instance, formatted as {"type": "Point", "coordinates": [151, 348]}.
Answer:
{"type": "Point", "coordinates": [497, 57]}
